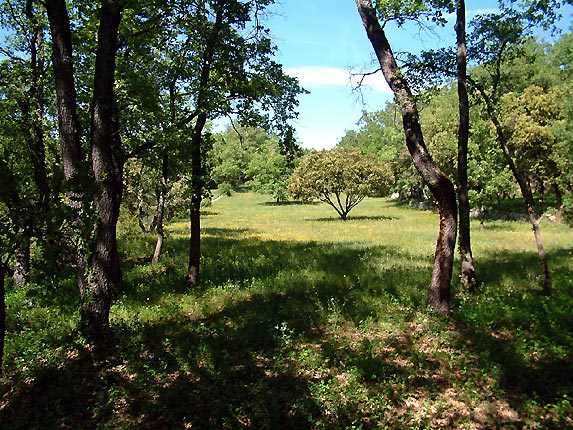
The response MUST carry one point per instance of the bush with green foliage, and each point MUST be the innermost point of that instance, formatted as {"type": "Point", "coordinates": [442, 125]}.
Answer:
{"type": "Point", "coordinates": [254, 157]}
{"type": "Point", "coordinates": [340, 177]}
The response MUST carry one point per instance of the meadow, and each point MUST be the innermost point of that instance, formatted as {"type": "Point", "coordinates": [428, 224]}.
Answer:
{"type": "Point", "coordinates": [302, 321]}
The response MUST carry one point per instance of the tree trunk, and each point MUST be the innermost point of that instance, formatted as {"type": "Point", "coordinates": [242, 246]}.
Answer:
{"type": "Point", "coordinates": [464, 245]}
{"type": "Point", "coordinates": [68, 123]}
{"type": "Point", "coordinates": [62, 61]}
{"type": "Point", "coordinates": [196, 149]}
{"type": "Point", "coordinates": [104, 264]}
{"type": "Point", "coordinates": [558, 196]}
{"type": "Point", "coordinates": [22, 267]}
{"type": "Point", "coordinates": [440, 186]}
{"type": "Point", "coordinates": [197, 191]}
{"type": "Point", "coordinates": [2, 312]}
{"type": "Point", "coordinates": [525, 188]}
{"type": "Point", "coordinates": [161, 207]}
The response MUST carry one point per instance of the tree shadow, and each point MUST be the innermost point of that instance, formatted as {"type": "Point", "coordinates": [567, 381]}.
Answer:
{"type": "Point", "coordinates": [355, 218]}
{"type": "Point", "coordinates": [233, 365]}
{"type": "Point", "coordinates": [291, 203]}
{"type": "Point", "coordinates": [226, 368]}
{"type": "Point", "coordinates": [519, 334]}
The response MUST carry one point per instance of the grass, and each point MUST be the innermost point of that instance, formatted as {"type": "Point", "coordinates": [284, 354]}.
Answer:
{"type": "Point", "coordinates": [303, 321]}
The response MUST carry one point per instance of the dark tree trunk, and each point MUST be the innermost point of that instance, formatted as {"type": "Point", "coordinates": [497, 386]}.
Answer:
{"type": "Point", "coordinates": [68, 123]}
{"type": "Point", "coordinates": [69, 130]}
{"type": "Point", "coordinates": [525, 188]}
{"type": "Point", "coordinates": [33, 109]}
{"type": "Point", "coordinates": [196, 150]}
{"type": "Point", "coordinates": [197, 191]}
{"type": "Point", "coordinates": [2, 312]}
{"type": "Point", "coordinates": [161, 207]}
{"type": "Point", "coordinates": [469, 277]}
{"type": "Point", "coordinates": [558, 196]}
{"type": "Point", "coordinates": [440, 186]}
{"type": "Point", "coordinates": [104, 265]}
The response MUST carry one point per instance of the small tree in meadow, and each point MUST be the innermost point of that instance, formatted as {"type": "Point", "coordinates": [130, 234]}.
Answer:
{"type": "Point", "coordinates": [341, 178]}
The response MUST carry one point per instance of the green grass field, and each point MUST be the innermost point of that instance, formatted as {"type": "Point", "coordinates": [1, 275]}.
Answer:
{"type": "Point", "coordinates": [303, 321]}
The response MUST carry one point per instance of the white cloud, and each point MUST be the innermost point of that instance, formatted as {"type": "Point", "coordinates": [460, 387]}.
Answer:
{"type": "Point", "coordinates": [472, 13]}
{"type": "Point", "coordinates": [314, 76]}
{"type": "Point", "coordinates": [320, 77]}
{"type": "Point", "coordinates": [476, 12]}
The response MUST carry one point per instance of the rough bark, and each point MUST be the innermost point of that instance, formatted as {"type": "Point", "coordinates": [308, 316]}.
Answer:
{"type": "Point", "coordinates": [468, 271]}
{"type": "Point", "coordinates": [66, 95]}
{"type": "Point", "coordinates": [440, 186]}
{"type": "Point", "coordinates": [68, 122]}
{"type": "Point", "coordinates": [22, 267]}
{"type": "Point", "coordinates": [107, 171]}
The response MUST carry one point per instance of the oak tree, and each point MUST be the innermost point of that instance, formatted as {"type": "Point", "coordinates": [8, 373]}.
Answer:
{"type": "Point", "coordinates": [341, 178]}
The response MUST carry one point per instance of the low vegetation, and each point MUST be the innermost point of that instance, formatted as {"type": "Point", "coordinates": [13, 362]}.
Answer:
{"type": "Point", "coordinates": [301, 321]}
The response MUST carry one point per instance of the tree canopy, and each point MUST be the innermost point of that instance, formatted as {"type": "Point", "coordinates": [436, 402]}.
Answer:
{"type": "Point", "coordinates": [340, 177]}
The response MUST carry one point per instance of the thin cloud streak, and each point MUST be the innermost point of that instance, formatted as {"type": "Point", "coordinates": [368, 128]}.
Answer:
{"type": "Point", "coordinates": [319, 77]}
{"type": "Point", "coordinates": [472, 13]}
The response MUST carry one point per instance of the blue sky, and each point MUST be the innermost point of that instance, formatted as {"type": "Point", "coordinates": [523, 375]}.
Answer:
{"type": "Point", "coordinates": [321, 42]}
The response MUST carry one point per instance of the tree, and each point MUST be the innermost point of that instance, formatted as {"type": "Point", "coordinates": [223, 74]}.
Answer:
{"type": "Point", "coordinates": [24, 95]}
{"type": "Point", "coordinates": [233, 151]}
{"type": "Point", "coordinates": [561, 57]}
{"type": "Point", "coordinates": [255, 157]}
{"type": "Point", "coordinates": [497, 40]}
{"type": "Point", "coordinates": [440, 186]}
{"type": "Point", "coordinates": [464, 245]}
{"type": "Point", "coordinates": [341, 178]}
{"type": "Point", "coordinates": [529, 120]}
{"type": "Point", "coordinates": [101, 262]}
{"type": "Point", "coordinates": [381, 135]}
{"type": "Point", "coordinates": [270, 171]}
{"type": "Point", "coordinates": [236, 77]}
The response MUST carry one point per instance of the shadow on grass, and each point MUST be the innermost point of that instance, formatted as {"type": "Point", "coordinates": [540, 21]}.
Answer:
{"type": "Point", "coordinates": [228, 367]}
{"type": "Point", "coordinates": [291, 203]}
{"type": "Point", "coordinates": [355, 218]}
{"type": "Point", "coordinates": [519, 334]}
{"type": "Point", "coordinates": [239, 362]}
